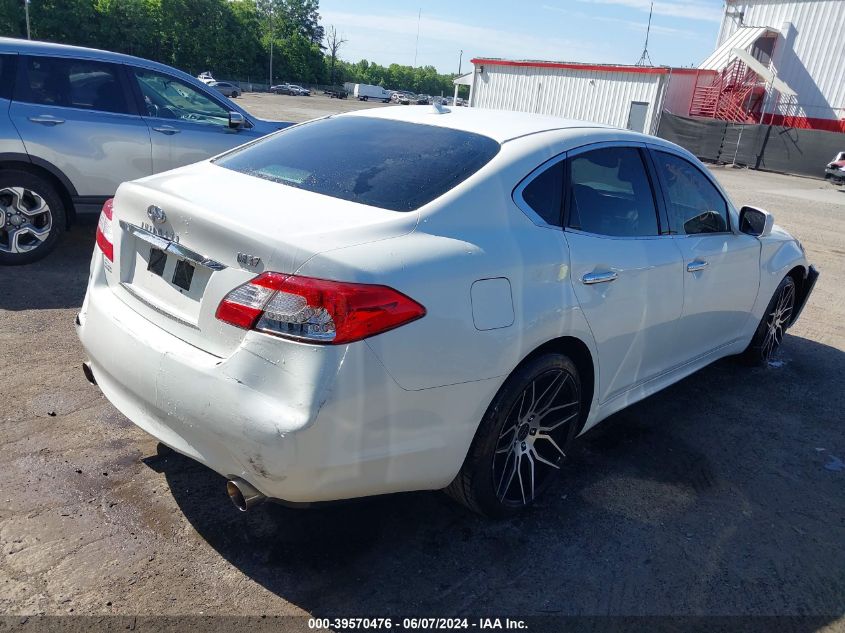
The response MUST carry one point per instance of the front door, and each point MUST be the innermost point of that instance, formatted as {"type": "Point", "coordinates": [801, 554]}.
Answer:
{"type": "Point", "coordinates": [77, 114]}
{"type": "Point", "coordinates": [186, 124]}
{"type": "Point", "coordinates": [721, 267]}
{"type": "Point", "coordinates": [627, 276]}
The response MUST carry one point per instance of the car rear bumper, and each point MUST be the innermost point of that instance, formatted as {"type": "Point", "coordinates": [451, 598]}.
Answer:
{"type": "Point", "coordinates": [299, 422]}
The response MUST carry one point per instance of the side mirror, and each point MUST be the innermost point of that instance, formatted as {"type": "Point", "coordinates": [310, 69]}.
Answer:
{"type": "Point", "coordinates": [756, 222]}
{"type": "Point", "coordinates": [236, 120]}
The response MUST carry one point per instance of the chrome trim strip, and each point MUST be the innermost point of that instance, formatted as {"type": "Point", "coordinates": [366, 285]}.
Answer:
{"type": "Point", "coordinates": [129, 289]}
{"type": "Point", "coordinates": [169, 246]}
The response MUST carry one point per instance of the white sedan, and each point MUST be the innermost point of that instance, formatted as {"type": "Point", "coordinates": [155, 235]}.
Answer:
{"type": "Point", "coordinates": [359, 319]}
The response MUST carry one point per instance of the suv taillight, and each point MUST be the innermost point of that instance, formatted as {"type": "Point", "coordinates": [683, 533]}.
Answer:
{"type": "Point", "coordinates": [316, 310]}
{"type": "Point", "coordinates": [104, 232]}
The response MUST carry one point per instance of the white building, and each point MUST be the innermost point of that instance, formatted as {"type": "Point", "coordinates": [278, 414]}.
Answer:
{"type": "Point", "coordinates": [778, 62]}
{"type": "Point", "coordinates": [802, 44]}
{"type": "Point", "coordinates": [623, 96]}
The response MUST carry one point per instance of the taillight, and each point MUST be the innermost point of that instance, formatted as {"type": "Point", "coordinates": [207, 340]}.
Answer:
{"type": "Point", "coordinates": [316, 310]}
{"type": "Point", "coordinates": [104, 232]}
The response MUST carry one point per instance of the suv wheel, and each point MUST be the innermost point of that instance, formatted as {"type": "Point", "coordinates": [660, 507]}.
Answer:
{"type": "Point", "coordinates": [33, 217]}
{"type": "Point", "coordinates": [523, 439]}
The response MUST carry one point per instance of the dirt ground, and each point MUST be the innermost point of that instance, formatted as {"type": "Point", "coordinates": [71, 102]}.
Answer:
{"type": "Point", "coordinates": [298, 109]}
{"type": "Point", "coordinates": [724, 494]}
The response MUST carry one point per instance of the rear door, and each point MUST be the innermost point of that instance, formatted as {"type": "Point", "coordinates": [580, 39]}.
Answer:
{"type": "Point", "coordinates": [626, 272]}
{"type": "Point", "coordinates": [186, 124]}
{"type": "Point", "coordinates": [78, 115]}
{"type": "Point", "coordinates": [721, 267]}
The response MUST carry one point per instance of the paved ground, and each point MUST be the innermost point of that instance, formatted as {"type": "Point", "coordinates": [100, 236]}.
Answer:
{"type": "Point", "coordinates": [721, 495]}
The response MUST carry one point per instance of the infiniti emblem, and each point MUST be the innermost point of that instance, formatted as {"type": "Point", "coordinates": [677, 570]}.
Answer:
{"type": "Point", "coordinates": [156, 214]}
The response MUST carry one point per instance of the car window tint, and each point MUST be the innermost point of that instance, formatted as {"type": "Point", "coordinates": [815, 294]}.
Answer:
{"type": "Point", "coordinates": [695, 205]}
{"type": "Point", "coordinates": [610, 194]}
{"type": "Point", "coordinates": [8, 64]}
{"type": "Point", "coordinates": [378, 162]}
{"type": "Point", "coordinates": [168, 98]}
{"type": "Point", "coordinates": [74, 83]}
{"type": "Point", "coordinates": [544, 193]}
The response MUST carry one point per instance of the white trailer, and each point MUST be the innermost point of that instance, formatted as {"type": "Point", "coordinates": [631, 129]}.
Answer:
{"type": "Point", "coordinates": [365, 92]}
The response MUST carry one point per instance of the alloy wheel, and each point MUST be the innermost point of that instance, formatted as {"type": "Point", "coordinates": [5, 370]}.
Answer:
{"type": "Point", "coordinates": [528, 450]}
{"type": "Point", "coordinates": [778, 321]}
{"type": "Point", "coordinates": [26, 220]}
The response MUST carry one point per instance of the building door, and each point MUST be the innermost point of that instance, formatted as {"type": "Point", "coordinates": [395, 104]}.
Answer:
{"type": "Point", "coordinates": [637, 116]}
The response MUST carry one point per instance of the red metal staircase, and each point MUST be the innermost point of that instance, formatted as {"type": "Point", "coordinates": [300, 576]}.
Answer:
{"type": "Point", "coordinates": [734, 95]}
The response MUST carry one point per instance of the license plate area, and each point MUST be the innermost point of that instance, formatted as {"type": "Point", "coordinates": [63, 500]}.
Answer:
{"type": "Point", "coordinates": [167, 282]}
{"type": "Point", "coordinates": [183, 271]}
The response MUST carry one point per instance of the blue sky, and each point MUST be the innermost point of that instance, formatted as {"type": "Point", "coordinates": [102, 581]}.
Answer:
{"type": "Point", "coordinates": [683, 32]}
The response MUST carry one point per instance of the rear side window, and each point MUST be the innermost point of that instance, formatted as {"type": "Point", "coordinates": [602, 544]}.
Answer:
{"type": "Point", "coordinates": [544, 194]}
{"type": "Point", "coordinates": [695, 205]}
{"type": "Point", "coordinates": [610, 194]}
{"type": "Point", "coordinates": [74, 83]}
{"type": "Point", "coordinates": [378, 162]}
{"type": "Point", "coordinates": [8, 64]}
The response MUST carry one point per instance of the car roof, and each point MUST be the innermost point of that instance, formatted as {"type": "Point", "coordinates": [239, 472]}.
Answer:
{"type": "Point", "coordinates": [35, 47]}
{"type": "Point", "coordinates": [500, 125]}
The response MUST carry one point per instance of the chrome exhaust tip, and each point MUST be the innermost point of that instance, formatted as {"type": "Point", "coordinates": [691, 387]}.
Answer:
{"type": "Point", "coordinates": [89, 375]}
{"type": "Point", "coordinates": [243, 494]}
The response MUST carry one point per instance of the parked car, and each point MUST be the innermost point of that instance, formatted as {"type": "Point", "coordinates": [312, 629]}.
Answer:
{"type": "Point", "coordinates": [206, 77]}
{"type": "Point", "coordinates": [281, 89]}
{"type": "Point", "coordinates": [76, 122]}
{"type": "Point", "coordinates": [226, 88]}
{"type": "Point", "coordinates": [423, 100]}
{"type": "Point", "coordinates": [455, 323]}
{"type": "Point", "coordinates": [365, 92]}
{"type": "Point", "coordinates": [400, 97]}
{"type": "Point", "coordinates": [299, 91]}
{"type": "Point", "coordinates": [835, 170]}
{"type": "Point", "coordinates": [335, 93]}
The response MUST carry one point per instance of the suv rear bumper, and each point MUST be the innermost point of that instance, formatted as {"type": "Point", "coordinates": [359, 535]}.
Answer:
{"type": "Point", "coordinates": [299, 422]}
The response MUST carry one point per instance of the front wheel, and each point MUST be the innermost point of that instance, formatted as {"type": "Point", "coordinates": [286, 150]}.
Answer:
{"type": "Point", "coordinates": [523, 439]}
{"type": "Point", "coordinates": [32, 220]}
{"type": "Point", "coordinates": [234, 95]}
{"type": "Point", "coordinates": [772, 328]}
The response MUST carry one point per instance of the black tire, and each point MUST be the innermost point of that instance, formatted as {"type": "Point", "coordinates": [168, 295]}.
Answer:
{"type": "Point", "coordinates": [53, 220]}
{"type": "Point", "coordinates": [511, 430]}
{"type": "Point", "coordinates": [772, 327]}
{"type": "Point", "coordinates": [366, 98]}
{"type": "Point", "coordinates": [235, 95]}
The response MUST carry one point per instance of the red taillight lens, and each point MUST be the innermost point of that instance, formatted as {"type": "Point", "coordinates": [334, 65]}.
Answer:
{"type": "Point", "coordinates": [104, 231]}
{"type": "Point", "coordinates": [316, 310]}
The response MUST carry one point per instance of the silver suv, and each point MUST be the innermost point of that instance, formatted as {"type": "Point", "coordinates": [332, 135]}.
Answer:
{"type": "Point", "coordinates": [76, 122]}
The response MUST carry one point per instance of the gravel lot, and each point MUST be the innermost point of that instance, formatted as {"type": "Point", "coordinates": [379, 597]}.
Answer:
{"type": "Point", "coordinates": [721, 495]}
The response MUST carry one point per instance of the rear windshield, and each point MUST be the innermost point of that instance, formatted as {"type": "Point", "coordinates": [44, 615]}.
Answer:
{"type": "Point", "coordinates": [382, 163]}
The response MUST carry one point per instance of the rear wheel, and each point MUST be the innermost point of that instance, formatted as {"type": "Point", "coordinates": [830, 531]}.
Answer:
{"type": "Point", "coordinates": [33, 217]}
{"type": "Point", "coordinates": [523, 439]}
{"type": "Point", "coordinates": [772, 328]}
{"type": "Point", "coordinates": [235, 94]}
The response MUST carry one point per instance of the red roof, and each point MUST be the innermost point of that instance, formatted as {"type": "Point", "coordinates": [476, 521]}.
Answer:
{"type": "Point", "coordinates": [607, 68]}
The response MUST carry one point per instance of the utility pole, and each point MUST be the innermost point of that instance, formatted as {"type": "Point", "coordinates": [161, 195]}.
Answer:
{"type": "Point", "coordinates": [26, 10]}
{"type": "Point", "coordinates": [460, 59]}
{"type": "Point", "coordinates": [271, 64]}
{"type": "Point", "coordinates": [417, 46]}
{"type": "Point", "coordinates": [645, 58]}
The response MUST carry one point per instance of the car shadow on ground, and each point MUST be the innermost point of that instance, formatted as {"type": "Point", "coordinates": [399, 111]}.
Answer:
{"type": "Point", "coordinates": [715, 496]}
{"type": "Point", "coordinates": [58, 280]}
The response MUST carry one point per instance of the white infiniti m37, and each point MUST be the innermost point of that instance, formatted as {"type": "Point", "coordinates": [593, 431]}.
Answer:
{"type": "Point", "coordinates": [418, 298]}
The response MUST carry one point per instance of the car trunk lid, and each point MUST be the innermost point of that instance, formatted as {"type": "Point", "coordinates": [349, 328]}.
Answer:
{"type": "Point", "coordinates": [184, 239]}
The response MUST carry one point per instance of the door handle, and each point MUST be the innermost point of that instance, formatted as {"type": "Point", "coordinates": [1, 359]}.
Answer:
{"type": "Point", "coordinates": [167, 129]}
{"type": "Point", "coordinates": [46, 119]}
{"type": "Point", "coordinates": [599, 278]}
{"type": "Point", "coordinates": [697, 265]}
